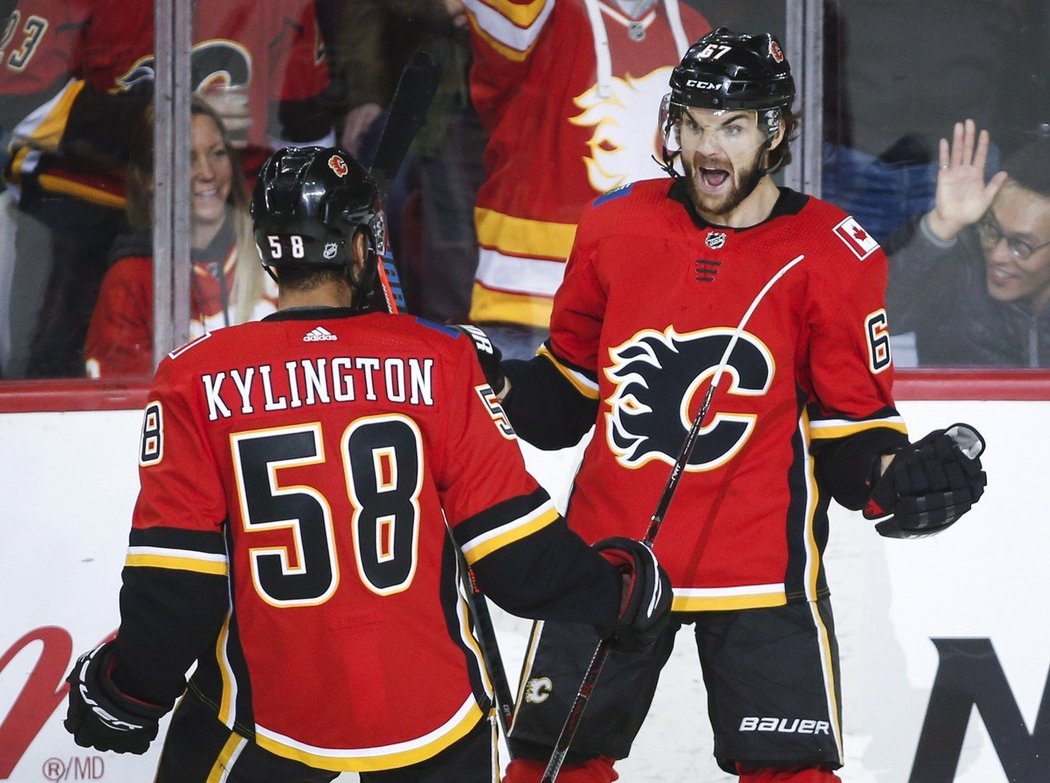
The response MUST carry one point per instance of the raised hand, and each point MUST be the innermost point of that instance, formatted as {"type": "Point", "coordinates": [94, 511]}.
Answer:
{"type": "Point", "coordinates": [962, 194]}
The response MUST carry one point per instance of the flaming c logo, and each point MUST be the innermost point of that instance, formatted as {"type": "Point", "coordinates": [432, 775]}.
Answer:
{"type": "Point", "coordinates": [775, 51]}
{"type": "Point", "coordinates": [661, 379]}
{"type": "Point", "coordinates": [626, 133]}
{"type": "Point", "coordinates": [338, 165]}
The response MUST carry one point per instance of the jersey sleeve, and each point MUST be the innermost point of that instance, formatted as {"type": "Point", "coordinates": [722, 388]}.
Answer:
{"type": "Point", "coordinates": [175, 592]}
{"type": "Point", "coordinates": [523, 554]}
{"type": "Point", "coordinates": [850, 366]}
{"type": "Point", "coordinates": [579, 311]}
{"type": "Point", "coordinates": [300, 67]}
{"type": "Point", "coordinates": [852, 415]}
{"type": "Point", "coordinates": [504, 34]}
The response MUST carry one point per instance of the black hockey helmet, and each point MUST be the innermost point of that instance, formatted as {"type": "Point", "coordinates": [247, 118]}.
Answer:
{"type": "Point", "coordinates": [727, 70]}
{"type": "Point", "coordinates": [724, 70]}
{"type": "Point", "coordinates": [309, 204]}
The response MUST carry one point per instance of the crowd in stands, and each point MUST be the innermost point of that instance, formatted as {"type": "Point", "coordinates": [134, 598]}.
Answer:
{"type": "Point", "coordinates": [541, 108]}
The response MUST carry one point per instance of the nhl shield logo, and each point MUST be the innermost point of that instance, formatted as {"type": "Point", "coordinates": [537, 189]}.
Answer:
{"type": "Point", "coordinates": [715, 240]}
{"type": "Point", "coordinates": [330, 249]}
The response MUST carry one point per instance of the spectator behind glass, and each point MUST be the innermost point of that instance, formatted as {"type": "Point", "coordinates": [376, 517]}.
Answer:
{"type": "Point", "coordinates": [971, 278]}
{"type": "Point", "coordinates": [228, 284]}
{"type": "Point", "coordinates": [569, 93]}
{"type": "Point", "coordinates": [84, 72]}
{"type": "Point", "coordinates": [430, 205]}
{"type": "Point", "coordinates": [896, 73]}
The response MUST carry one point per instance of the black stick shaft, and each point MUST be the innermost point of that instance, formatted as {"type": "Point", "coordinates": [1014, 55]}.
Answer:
{"type": "Point", "coordinates": [486, 633]}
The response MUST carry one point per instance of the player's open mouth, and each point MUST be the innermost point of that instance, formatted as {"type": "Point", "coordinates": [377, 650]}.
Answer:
{"type": "Point", "coordinates": [713, 179]}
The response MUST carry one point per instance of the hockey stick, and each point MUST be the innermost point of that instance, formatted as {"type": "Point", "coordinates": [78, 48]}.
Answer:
{"type": "Point", "coordinates": [601, 652]}
{"type": "Point", "coordinates": [407, 113]}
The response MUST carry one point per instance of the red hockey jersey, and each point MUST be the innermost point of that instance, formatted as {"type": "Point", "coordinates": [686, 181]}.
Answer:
{"type": "Point", "coordinates": [318, 461]}
{"type": "Point", "coordinates": [569, 91]}
{"type": "Point", "coordinates": [651, 298]}
{"type": "Point", "coordinates": [120, 336]}
{"type": "Point", "coordinates": [56, 47]}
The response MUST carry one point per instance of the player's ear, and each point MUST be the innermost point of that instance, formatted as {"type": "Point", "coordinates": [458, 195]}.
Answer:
{"type": "Point", "coordinates": [359, 254]}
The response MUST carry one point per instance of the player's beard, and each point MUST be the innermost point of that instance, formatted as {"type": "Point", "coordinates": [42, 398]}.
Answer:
{"type": "Point", "coordinates": [749, 178]}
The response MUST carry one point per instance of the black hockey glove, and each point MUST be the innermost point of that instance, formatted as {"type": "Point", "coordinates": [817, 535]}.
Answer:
{"type": "Point", "coordinates": [489, 357]}
{"type": "Point", "coordinates": [929, 484]}
{"type": "Point", "coordinates": [646, 602]}
{"type": "Point", "coordinates": [102, 717]}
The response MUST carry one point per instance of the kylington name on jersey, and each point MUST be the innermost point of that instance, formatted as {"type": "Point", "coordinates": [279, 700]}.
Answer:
{"type": "Point", "coordinates": [318, 382]}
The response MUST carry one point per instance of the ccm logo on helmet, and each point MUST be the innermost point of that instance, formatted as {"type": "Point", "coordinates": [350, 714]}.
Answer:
{"type": "Point", "coordinates": [701, 85]}
{"type": "Point", "coordinates": [785, 726]}
{"type": "Point", "coordinates": [338, 165]}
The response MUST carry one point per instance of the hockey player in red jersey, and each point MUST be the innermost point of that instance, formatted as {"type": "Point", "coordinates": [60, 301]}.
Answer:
{"type": "Point", "coordinates": [310, 486]}
{"type": "Point", "coordinates": [653, 306]}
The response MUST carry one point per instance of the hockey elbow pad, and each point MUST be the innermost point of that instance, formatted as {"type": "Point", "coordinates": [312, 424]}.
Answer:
{"type": "Point", "coordinates": [929, 484]}
{"type": "Point", "coordinates": [99, 715]}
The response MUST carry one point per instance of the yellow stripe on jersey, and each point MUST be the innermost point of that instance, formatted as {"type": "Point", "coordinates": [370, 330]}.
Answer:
{"type": "Point", "coordinates": [584, 385]}
{"type": "Point", "coordinates": [522, 14]}
{"type": "Point", "coordinates": [503, 51]}
{"type": "Point", "coordinates": [826, 429]}
{"type": "Point", "coordinates": [812, 500]}
{"type": "Point", "coordinates": [400, 754]}
{"type": "Point", "coordinates": [227, 758]}
{"type": "Point", "coordinates": [727, 598]}
{"type": "Point", "coordinates": [228, 700]}
{"type": "Point", "coordinates": [489, 305]}
{"type": "Point", "coordinates": [53, 184]}
{"type": "Point", "coordinates": [184, 561]}
{"type": "Point", "coordinates": [47, 133]}
{"type": "Point", "coordinates": [501, 30]}
{"type": "Point", "coordinates": [523, 237]}
{"type": "Point", "coordinates": [497, 538]}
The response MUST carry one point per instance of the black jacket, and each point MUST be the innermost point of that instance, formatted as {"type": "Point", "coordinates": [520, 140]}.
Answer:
{"type": "Point", "coordinates": [938, 291]}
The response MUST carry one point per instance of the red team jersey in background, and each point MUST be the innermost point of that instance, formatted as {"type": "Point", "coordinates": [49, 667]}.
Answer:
{"type": "Point", "coordinates": [651, 297]}
{"type": "Point", "coordinates": [120, 336]}
{"type": "Point", "coordinates": [566, 124]}
{"type": "Point", "coordinates": [343, 609]}
{"type": "Point", "coordinates": [54, 48]}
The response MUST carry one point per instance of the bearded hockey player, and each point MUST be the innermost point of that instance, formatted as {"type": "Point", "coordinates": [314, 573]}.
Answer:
{"type": "Point", "coordinates": [306, 482]}
{"type": "Point", "coordinates": [669, 283]}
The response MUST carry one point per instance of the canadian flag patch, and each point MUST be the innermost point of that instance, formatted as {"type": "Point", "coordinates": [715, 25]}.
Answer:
{"type": "Point", "coordinates": [859, 241]}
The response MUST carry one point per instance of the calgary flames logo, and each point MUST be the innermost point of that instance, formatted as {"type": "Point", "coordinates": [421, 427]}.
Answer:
{"type": "Point", "coordinates": [626, 129]}
{"type": "Point", "coordinates": [661, 379]}
{"type": "Point", "coordinates": [775, 51]}
{"type": "Point", "coordinates": [338, 165]}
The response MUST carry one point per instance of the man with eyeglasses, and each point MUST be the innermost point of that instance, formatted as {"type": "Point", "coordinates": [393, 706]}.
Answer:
{"type": "Point", "coordinates": [971, 279]}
